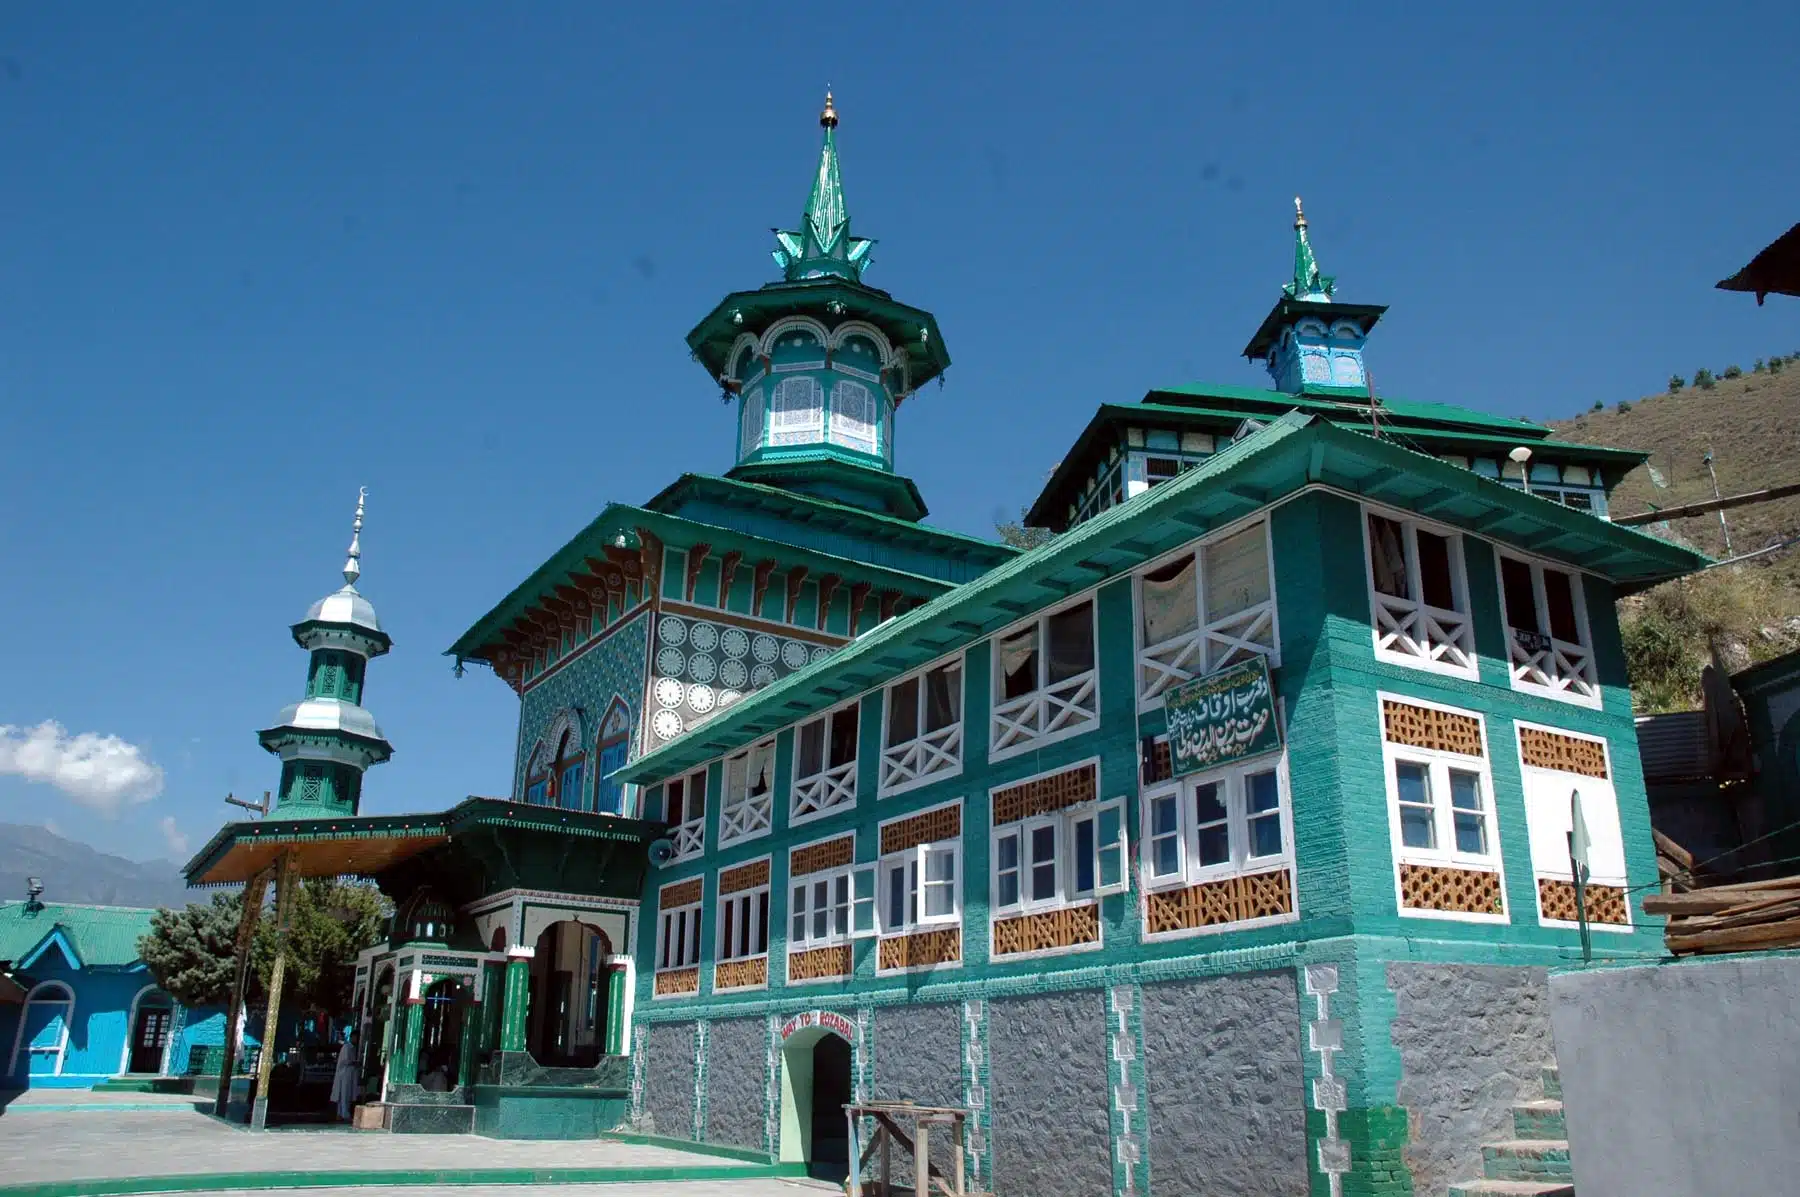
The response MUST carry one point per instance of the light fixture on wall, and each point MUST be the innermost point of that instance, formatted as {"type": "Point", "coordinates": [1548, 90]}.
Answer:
{"type": "Point", "coordinates": [1521, 456]}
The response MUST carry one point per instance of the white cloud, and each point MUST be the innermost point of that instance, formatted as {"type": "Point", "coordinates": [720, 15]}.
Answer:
{"type": "Point", "coordinates": [100, 772]}
{"type": "Point", "coordinates": [174, 837]}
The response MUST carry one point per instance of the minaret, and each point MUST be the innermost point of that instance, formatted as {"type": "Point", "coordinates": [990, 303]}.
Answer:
{"type": "Point", "coordinates": [327, 740]}
{"type": "Point", "coordinates": [1309, 342]}
{"type": "Point", "coordinates": [818, 362]}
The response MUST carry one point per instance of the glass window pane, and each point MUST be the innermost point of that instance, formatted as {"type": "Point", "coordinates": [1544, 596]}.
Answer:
{"type": "Point", "coordinates": [1262, 792]}
{"type": "Point", "coordinates": [811, 749]}
{"type": "Point", "coordinates": [943, 697]}
{"type": "Point", "coordinates": [1165, 859]}
{"type": "Point", "coordinates": [1413, 782]}
{"type": "Point", "coordinates": [1007, 886]}
{"type": "Point", "coordinates": [896, 897]}
{"type": "Point", "coordinates": [1209, 803]}
{"type": "Point", "coordinates": [1471, 834]}
{"type": "Point", "coordinates": [1265, 835]}
{"type": "Point", "coordinates": [1559, 597]}
{"type": "Point", "coordinates": [1171, 606]}
{"type": "Point", "coordinates": [1237, 573]}
{"type": "Point", "coordinates": [903, 712]}
{"type": "Point", "coordinates": [1215, 844]}
{"type": "Point", "coordinates": [1043, 863]}
{"type": "Point", "coordinates": [1071, 636]}
{"type": "Point", "coordinates": [843, 736]}
{"type": "Point", "coordinates": [799, 912]}
{"type": "Point", "coordinates": [1006, 852]}
{"type": "Point", "coordinates": [1018, 655]}
{"type": "Point", "coordinates": [1521, 600]}
{"type": "Point", "coordinates": [1416, 828]}
{"type": "Point", "coordinates": [1435, 582]}
{"type": "Point", "coordinates": [1163, 814]}
{"type": "Point", "coordinates": [1084, 856]}
{"type": "Point", "coordinates": [1465, 790]}
{"type": "Point", "coordinates": [1387, 557]}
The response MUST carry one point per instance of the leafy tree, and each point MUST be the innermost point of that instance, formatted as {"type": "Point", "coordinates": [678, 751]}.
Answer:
{"type": "Point", "coordinates": [1670, 632]}
{"type": "Point", "coordinates": [1733, 372]}
{"type": "Point", "coordinates": [1624, 405]}
{"type": "Point", "coordinates": [332, 921]}
{"type": "Point", "coordinates": [1703, 378]}
{"type": "Point", "coordinates": [189, 952]}
{"type": "Point", "coordinates": [1016, 534]}
{"type": "Point", "coordinates": [1775, 364]}
{"type": "Point", "coordinates": [1756, 367]}
{"type": "Point", "coordinates": [1599, 406]}
{"type": "Point", "coordinates": [1676, 382]}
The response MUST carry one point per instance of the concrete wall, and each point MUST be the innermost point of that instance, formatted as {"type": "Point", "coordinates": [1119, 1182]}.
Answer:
{"type": "Point", "coordinates": [1473, 1042]}
{"type": "Point", "coordinates": [918, 1057]}
{"type": "Point", "coordinates": [669, 1079]}
{"type": "Point", "coordinates": [1225, 1092]}
{"type": "Point", "coordinates": [737, 1065]}
{"type": "Point", "coordinates": [1682, 1078]}
{"type": "Point", "coordinates": [1052, 1130]}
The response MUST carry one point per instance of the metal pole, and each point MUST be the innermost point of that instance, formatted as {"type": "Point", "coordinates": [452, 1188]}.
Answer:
{"type": "Point", "coordinates": [1580, 874]}
{"type": "Point", "coordinates": [1724, 529]}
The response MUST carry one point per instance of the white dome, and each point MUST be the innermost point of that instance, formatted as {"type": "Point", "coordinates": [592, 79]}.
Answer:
{"type": "Point", "coordinates": [344, 606]}
{"type": "Point", "coordinates": [329, 714]}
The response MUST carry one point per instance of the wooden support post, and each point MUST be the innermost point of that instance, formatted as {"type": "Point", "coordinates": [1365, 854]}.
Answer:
{"type": "Point", "coordinates": [285, 879]}
{"type": "Point", "coordinates": [759, 585]}
{"type": "Point", "coordinates": [240, 976]}
{"type": "Point", "coordinates": [696, 560]}
{"type": "Point", "coordinates": [796, 578]}
{"type": "Point", "coordinates": [518, 993]}
{"type": "Point", "coordinates": [961, 1135]}
{"type": "Point", "coordinates": [828, 586]}
{"type": "Point", "coordinates": [727, 571]}
{"type": "Point", "coordinates": [921, 1159]}
{"type": "Point", "coordinates": [887, 1163]}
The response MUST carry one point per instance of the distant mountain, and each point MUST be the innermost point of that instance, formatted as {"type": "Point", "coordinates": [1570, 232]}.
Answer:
{"type": "Point", "coordinates": [73, 872]}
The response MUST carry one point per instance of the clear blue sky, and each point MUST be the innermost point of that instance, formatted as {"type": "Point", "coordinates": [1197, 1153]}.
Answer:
{"type": "Point", "coordinates": [254, 256]}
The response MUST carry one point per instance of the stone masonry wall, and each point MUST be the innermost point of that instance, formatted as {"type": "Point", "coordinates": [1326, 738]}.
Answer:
{"type": "Point", "coordinates": [737, 1060]}
{"type": "Point", "coordinates": [1226, 1098]}
{"type": "Point", "coordinates": [1473, 1041]}
{"type": "Point", "coordinates": [669, 1079]}
{"type": "Point", "coordinates": [1052, 1130]}
{"type": "Point", "coordinates": [918, 1057]}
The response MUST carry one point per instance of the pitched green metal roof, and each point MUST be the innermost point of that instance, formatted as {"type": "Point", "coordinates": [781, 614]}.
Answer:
{"type": "Point", "coordinates": [100, 936]}
{"type": "Point", "coordinates": [1294, 451]}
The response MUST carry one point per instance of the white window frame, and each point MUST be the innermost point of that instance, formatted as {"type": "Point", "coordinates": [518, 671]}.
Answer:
{"type": "Point", "coordinates": [805, 909]}
{"type": "Point", "coordinates": [791, 424]}
{"type": "Point", "coordinates": [1050, 711]}
{"type": "Point", "coordinates": [1238, 862]}
{"type": "Point", "coordinates": [743, 816]}
{"type": "Point", "coordinates": [1410, 631]}
{"type": "Point", "coordinates": [912, 865]}
{"type": "Point", "coordinates": [1211, 643]}
{"type": "Point", "coordinates": [930, 755]}
{"type": "Point", "coordinates": [1064, 825]}
{"type": "Point", "coordinates": [1559, 669]}
{"type": "Point", "coordinates": [753, 419]}
{"type": "Point", "coordinates": [750, 945]}
{"type": "Point", "coordinates": [689, 834]}
{"type": "Point", "coordinates": [1547, 805]}
{"type": "Point", "coordinates": [866, 437]}
{"type": "Point", "coordinates": [678, 928]}
{"type": "Point", "coordinates": [833, 787]}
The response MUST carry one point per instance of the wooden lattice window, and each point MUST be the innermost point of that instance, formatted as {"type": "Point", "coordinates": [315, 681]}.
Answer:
{"type": "Point", "coordinates": [924, 949]}
{"type": "Point", "coordinates": [817, 964]}
{"type": "Point", "coordinates": [744, 876]}
{"type": "Point", "coordinates": [824, 765]}
{"type": "Point", "coordinates": [1604, 903]}
{"type": "Point", "coordinates": [1464, 891]}
{"type": "Point", "coordinates": [944, 823]}
{"type": "Point", "coordinates": [1049, 930]}
{"type": "Point", "coordinates": [1042, 795]}
{"type": "Point", "coordinates": [816, 858]}
{"type": "Point", "coordinates": [1429, 727]}
{"type": "Point", "coordinates": [1216, 903]}
{"type": "Point", "coordinates": [681, 893]}
{"type": "Point", "coordinates": [1544, 749]}
{"type": "Point", "coordinates": [676, 982]}
{"type": "Point", "coordinates": [741, 974]}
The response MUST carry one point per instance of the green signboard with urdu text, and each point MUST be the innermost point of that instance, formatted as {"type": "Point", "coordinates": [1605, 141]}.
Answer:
{"type": "Point", "coordinates": [1223, 717]}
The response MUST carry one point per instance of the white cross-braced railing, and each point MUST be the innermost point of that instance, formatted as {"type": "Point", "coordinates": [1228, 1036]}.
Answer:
{"type": "Point", "coordinates": [1558, 666]}
{"type": "Point", "coordinates": [1220, 643]}
{"type": "Point", "coordinates": [825, 791]}
{"type": "Point", "coordinates": [1066, 706]}
{"type": "Point", "coordinates": [1426, 633]}
{"type": "Point", "coordinates": [744, 817]}
{"type": "Point", "coordinates": [689, 837]}
{"type": "Point", "coordinates": [934, 752]}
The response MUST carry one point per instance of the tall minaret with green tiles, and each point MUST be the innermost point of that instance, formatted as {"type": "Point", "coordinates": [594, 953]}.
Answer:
{"type": "Point", "coordinates": [327, 740]}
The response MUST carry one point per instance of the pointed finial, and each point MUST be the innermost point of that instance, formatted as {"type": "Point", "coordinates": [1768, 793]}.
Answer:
{"type": "Point", "coordinates": [352, 563]}
{"type": "Point", "coordinates": [828, 118]}
{"type": "Point", "coordinates": [1299, 214]}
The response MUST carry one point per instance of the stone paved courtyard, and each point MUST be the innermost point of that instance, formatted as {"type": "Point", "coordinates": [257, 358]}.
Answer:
{"type": "Point", "coordinates": [40, 1145]}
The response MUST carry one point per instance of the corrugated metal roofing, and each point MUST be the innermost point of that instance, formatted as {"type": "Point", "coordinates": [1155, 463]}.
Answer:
{"type": "Point", "coordinates": [102, 936]}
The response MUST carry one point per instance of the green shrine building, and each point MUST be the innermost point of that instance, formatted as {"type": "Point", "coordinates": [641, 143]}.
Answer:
{"type": "Point", "coordinates": [1217, 845]}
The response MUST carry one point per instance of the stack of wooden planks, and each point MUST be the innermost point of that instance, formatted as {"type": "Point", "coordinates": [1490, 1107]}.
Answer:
{"type": "Point", "coordinates": [1675, 865]}
{"type": "Point", "coordinates": [1749, 916]}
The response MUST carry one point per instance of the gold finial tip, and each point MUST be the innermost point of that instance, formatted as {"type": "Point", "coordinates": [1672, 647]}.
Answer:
{"type": "Point", "coordinates": [1299, 214]}
{"type": "Point", "coordinates": [828, 119]}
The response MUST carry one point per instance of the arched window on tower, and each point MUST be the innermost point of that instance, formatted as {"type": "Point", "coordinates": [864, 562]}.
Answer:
{"type": "Point", "coordinates": [610, 755]}
{"type": "Point", "coordinates": [537, 777]}
{"type": "Point", "coordinates": [751, 435]}
{"type": "Point", "coordinates": [853, 418]}
{"type": "Point", "coordinates": [797, 412]}
{"type": "Point", "coordinates": [566, 773]}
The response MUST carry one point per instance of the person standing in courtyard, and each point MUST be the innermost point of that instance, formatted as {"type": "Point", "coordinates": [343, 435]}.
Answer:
{"type": "Point", "coordinates": [344, 1079]}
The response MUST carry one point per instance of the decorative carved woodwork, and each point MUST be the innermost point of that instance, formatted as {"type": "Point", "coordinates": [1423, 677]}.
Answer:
{"type": "Point", "coordinates": [1213, 903]}
{"type": "Point", "coordinates": [1605, 903]}
{"type": "Point", "coordinates": [682, 893]}
{"type": "Point", "coordinates": [759, 585]}
{"type": "Point", "coordinates": [747, 876]}
{"type": "Point", "coordinates": [696, 560]}
{"type": "Point", "coordinates": [816, 858]}
{"type": "Point", "coordinates": [628, 561]}
{"type": "Point", "coordinates": [1428, 727]}
{"type": "Point", "coordinates": [677, 981]}
{"type": "Point", "coordinates": [890, 600]}
{"type": "Point", "coordinates": [922, 949]}
{"type": "Point", "coordinates": [1052, 929]}
{"type": "Point", "coordinates": [816, 964]}
{"type": "Point", "coordinates": [650, 556]}
{"type": "Point", "coordinates": [944, 823]}
{"type": "Point", "coordinates": [828, 585]}
{"type": "Point", "coordinates": [1042, 795]}
{"type": "Point", "coordinates": [727, 574]}
{"type": "Point", "coordinates": [1566, 754]}
{"type": "Point", "coordinates": [1439, 887]}
{"type": "Point", "coordinates": [796, 578]}
{"type": "Point", "coordinates": [741, 974]}
{"type": "Point", "coordinates": [859, 595]}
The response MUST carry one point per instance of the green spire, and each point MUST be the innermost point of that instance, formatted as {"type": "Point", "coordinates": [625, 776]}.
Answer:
{"type": "Point", "coordinates": [823, 244]}
{"type": "Point", "coordinates": [1308, 282]}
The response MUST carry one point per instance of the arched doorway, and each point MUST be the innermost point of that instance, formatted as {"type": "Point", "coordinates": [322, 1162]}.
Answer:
{"type": "Point", "coordinates": [43, 1034]}
{"type": "Point", "coordinates": [815, 1086]}
{"type": "Point", "coordinates": [152, 1021]}
{"type": "Point", "coordinates": [441, 1033]}
{"type": "Point", "coordinates": [567, 1013]}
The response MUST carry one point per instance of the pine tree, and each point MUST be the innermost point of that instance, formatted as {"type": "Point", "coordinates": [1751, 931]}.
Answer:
{"type": "Point", "coordinates": [1676, 382]}
{"type": "Point", "coordinates": [1733, 372]}
{"type": "Point", "coordinates": [1703, 378]}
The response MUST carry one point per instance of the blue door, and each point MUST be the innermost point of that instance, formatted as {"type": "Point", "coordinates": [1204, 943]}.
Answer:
{"type": "Point", "coordinates": [46, 1034]}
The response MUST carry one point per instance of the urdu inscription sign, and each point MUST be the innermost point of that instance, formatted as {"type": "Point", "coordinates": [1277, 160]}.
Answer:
{"type": "Point", "coordinates": [1225, 716]}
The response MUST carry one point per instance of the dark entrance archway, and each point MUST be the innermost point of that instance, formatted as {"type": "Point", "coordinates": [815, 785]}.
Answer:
{"type": "Point", "coordinates": [831, 1093]}
{"type": "Point", "coordinates": [150, 1026]}
{"type": "Point", "coordinates": [567, 1015]}
{"type": "Point", "coordinates": [441, 1034]}
{"type": "Point", "coordinates": [816, 1083]}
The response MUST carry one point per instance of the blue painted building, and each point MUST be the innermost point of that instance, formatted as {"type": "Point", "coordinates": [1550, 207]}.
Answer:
{"type": "Point", "coordinates": [83, 1008]}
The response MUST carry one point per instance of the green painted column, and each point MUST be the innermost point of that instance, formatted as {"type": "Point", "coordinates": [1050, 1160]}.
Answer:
{"type": "Point", "coordinates": [616, 1030]}
{"type": "Point", "coordinates": [518, 997]}
{"type": "Point", "coordinates": [404, 1069]}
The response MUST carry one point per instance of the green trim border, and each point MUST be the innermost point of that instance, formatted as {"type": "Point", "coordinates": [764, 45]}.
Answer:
{"type": "Point", "coordinates": [722, 1150]}
{"type": "Point", "coordinates": [202, 1182]}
